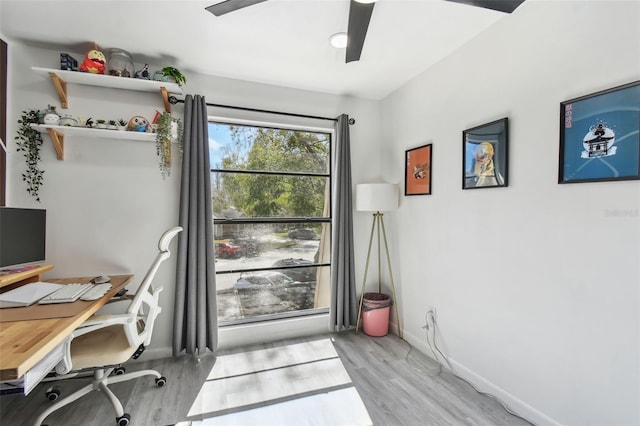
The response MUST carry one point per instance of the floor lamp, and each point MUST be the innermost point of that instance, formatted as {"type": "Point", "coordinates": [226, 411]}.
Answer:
{"type": "Point", "coordinates": [376, 198]}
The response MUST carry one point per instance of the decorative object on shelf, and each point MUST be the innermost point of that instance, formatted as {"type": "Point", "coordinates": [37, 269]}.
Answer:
{"type": "Point", "coordinates": [171, 73]}
{"type": "Point", "coordinates": [122, 124]}
{"type": "Point", "coordinates": [68, 63]}
{"type": "Point", "coordinates": [29, 141]}
{"type": "Point", "coordinates": [112, 125]}
{"type": "Point", "coordinates": [376, 198]}
{"type": "Point", "coordinates": [94, 61]}
{"type": "Point", "coordinates": [68, 120]}
{"type": "Point", "coordinates": [101, 124]}
{"type": "Point", "coordinates": [51, 116]}
{"type": "Point", "coordinates": [89, 122]}
{"type": "Point", "coordinates": [417, 170]}
{"type": "Point", "coordinates": [600, 136]}
{"type": "Point", "coordinates": [485, 158]}
{"type": "Point", "coordinates": [143, 73]}
{"type": "Point", "coordinates": [121, 63]}
{"type": "Point", "coordinates": [138, 124]}
{"type": "Point", "coordinates": [169, 130]}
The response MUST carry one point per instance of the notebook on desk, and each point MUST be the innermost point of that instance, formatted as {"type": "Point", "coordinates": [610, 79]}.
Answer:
{"type": "Point", "coordinates": [27, 294]}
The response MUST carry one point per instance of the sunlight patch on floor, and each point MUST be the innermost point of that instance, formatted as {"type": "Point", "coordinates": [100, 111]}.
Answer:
{"type": "Point", "coordinates": [298, 384]}
{"type": "Point", "coordinates": [341, 407]}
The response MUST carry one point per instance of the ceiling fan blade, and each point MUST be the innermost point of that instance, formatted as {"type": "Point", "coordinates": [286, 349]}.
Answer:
{"type": "Point", "coordinates": [506, 6]}
{"type": "Point", "coordinates": [230, 6]}
{"type": "Point", "coordinates": [359, 17]}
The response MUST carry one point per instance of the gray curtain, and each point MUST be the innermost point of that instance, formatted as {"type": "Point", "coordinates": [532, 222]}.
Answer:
{"type": "Point", "coordinates": [195, 326]}
{"type": "Point", "coordinates": [343, 312]}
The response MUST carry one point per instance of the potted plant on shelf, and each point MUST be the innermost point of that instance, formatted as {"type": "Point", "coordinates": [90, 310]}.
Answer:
{"type": "Point", "coordinates": [112, 125]}
{"type": "Point", "coordinates": [122, 124]}
{"type": "Point", "coordinates": [101, 124]}
{"type": "Point", "coordinates": [29, 141]}
{"type": "Point", "coordinates": [169, 130]}
{"type": "Point", "coordinates": [172, 73]}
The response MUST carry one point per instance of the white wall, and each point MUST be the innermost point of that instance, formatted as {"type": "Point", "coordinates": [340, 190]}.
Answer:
{"type": "Point", "coordinates": [107, 203]}
{"type": "Point", "coordinates": [525, 308]}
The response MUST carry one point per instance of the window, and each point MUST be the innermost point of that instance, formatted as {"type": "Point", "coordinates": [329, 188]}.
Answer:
{"type": "Point", "coordinates": [271, 192]}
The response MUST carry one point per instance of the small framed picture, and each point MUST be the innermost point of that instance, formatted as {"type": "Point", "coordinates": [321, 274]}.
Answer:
{"type": "Point", "coordinates": [599, 136]}
{"type": "Point", "coordinates": [417, 170]}
{"type": "Point", "coordinates": [485, 155]}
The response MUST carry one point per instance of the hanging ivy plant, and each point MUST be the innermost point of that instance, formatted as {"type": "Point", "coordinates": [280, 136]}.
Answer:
{"type": "Point", "coordinates": [29, 141]}
{"type": "Point", "coordinates": [169, 130]}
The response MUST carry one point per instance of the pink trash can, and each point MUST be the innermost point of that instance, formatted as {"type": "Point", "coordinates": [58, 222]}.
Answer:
{"type": "Point", "coordinates": [376, 308]}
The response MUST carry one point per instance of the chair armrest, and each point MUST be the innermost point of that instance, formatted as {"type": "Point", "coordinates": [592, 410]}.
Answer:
{"type": "Point", "coordinates": [102, 321]}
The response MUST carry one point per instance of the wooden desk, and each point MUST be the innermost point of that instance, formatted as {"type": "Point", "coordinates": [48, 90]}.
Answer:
{"type": "Point", "coordinates": [24, 343]}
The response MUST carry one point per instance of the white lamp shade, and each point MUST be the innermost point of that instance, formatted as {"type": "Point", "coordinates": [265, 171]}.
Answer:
{"type": "Point", "coordinates": [376, 197]}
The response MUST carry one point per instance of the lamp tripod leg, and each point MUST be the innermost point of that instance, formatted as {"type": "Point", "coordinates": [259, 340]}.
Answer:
{"type": "Point", "coordinates": [393, 285]}
{"type": "Point", "coordinates": [366, 268]}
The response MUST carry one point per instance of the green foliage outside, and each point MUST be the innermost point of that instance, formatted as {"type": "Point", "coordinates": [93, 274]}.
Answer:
{"type": "Point", "coordinates": [273, 195]}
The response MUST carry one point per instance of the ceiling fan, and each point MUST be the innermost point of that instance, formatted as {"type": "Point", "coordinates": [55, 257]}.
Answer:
{"type": "Point", "coordinates": [360, 12]}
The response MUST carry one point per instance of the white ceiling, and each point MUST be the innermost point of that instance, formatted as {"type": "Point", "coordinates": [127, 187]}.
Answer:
{"type": "Point", "coordinates": [281, 42]}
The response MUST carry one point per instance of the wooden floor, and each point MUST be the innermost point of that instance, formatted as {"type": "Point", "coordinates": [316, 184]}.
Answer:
{"type": "Point", "coordinates": [398, 385]}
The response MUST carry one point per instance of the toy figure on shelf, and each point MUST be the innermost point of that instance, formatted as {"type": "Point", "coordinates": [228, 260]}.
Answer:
{"type": "Point", "coordinates": [94, 61]}
{"type": "Point", "coordinates": [138, 124]}
{"type": "Point", "coordinates": [143, 73]}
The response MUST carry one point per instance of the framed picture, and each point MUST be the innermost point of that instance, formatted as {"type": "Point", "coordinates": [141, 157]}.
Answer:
{"type": "Point", "coordinates": [485, 157]}
{"type": "Point", "coordinates": [417, 170]}
{"type": "Point", "coordinates": [599, 136]}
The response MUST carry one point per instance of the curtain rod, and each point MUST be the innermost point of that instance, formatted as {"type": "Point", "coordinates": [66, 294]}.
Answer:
{"type": "Point", "coordinates": [173, 100]}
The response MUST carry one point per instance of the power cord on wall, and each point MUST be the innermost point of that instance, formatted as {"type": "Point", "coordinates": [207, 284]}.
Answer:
{"type": "Point", "coordinates": [431, 329]}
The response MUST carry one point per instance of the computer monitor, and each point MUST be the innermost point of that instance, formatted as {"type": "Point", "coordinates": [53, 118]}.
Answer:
{"type": "Point", "coordinates": [22, 236]}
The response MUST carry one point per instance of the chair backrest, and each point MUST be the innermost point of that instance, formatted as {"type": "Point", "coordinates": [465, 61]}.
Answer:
{"type": "Point", "coordinates": [145, 303]}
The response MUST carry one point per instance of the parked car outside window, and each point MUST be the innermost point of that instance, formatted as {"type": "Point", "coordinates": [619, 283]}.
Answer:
{"type": "Point", "coordinates": [227, 251]}
{"type": "Point", "coordinates": [303, 234]}
{"type": "Point", "coordinates": [297, 274]}
{"type": "Point", "coordinates": [262, 279]}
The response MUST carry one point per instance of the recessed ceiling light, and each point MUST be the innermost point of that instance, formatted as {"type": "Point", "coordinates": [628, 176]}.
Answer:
{"type": "Point", "coordinates": [338, 40]}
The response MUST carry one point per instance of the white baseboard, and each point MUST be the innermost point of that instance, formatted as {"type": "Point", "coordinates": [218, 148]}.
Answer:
{"type": "Point", "coordinates": [483, 385]}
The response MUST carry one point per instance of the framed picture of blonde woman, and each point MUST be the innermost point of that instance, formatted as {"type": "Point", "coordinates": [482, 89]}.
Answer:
{"type": "Point", "coordinates": [417, 170]}
{"type": "Point", "coordinates": [485, 157]}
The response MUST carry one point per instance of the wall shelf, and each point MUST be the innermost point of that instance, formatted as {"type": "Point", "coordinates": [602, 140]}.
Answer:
{"type": "Point", "coordinates": [57, 134]}
{"type": "Point", "coordinates": [61, 78]}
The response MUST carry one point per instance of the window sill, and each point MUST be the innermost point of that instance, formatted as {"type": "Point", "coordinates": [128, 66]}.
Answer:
{"type": "Point", "coordinates": [264, 331]}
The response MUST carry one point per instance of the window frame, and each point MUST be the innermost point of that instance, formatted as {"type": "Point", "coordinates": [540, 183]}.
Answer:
{"type": "Point", "coordinates": [330, 132]}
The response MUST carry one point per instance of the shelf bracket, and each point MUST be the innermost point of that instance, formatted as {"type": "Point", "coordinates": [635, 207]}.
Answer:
{"type": "Point", "coordinates": [165, 98]}
{"type": "Point", "coordinates": [61, 88]}
{"type": "Point", "coordinates": [57, 138]}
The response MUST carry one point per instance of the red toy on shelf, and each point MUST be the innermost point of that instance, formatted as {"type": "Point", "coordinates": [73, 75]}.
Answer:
{"type": "Point", "coordinates": [94, 61]}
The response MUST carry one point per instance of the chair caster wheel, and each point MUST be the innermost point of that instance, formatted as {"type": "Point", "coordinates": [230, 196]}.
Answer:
{"type": "Point", "coordinates": [161, 381]}
{"type": "Point", "coordinates": [124, 420]}
{"type": "Point", "coordinates": [119, 371]}
{"type": "Point", "coordinates": [52, 394]}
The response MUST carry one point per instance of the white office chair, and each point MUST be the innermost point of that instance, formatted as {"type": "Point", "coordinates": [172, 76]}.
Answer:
{"type": "Point", "coordinates": [104, 342]}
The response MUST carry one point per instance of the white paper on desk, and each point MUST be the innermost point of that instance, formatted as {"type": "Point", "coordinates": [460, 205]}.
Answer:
{"type": "Point", "coordinates": [27, 294]}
